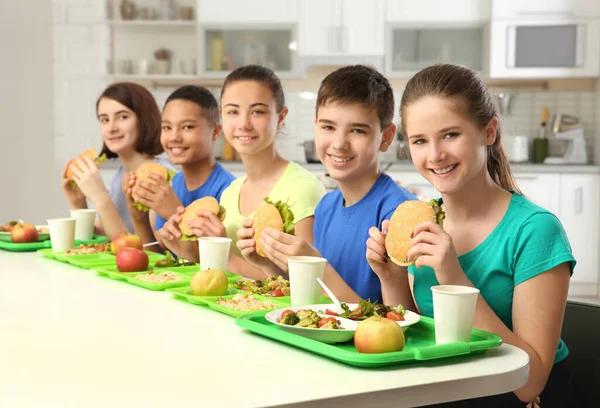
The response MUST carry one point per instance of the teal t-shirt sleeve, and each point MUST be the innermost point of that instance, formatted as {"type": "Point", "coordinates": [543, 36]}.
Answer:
{"type": "Point", "coordinates": [542, 244]}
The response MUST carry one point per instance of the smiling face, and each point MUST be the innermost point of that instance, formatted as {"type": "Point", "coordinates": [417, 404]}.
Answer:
{"type": "Point", "coordinates": [249, 116]}
{"type": "Point", "coordinates": [447, 147]}
{"type": "Point", "coordinates": [186, 135]}
{"type": "Point", "coordinates": [118, 124]}
{"type": "Point", "coordinates": [348, 138]}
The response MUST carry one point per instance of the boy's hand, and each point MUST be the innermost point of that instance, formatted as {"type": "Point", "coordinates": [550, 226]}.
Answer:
{"type": "Point", "coordinates": [170, 230]}
{"type": "Point", "coordinates": [156, 194]}
{"type": "Point", "coordinates": [279, 246]}
{"type": "Point", "coordinates": [207, 225]}
{"type": "Point", "coordinates": [134, 212]}
{"type": "Point", "coordinates": [377, 256]}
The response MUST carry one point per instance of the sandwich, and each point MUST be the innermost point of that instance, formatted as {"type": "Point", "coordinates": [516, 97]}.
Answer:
{"type": "Point", "coordinates": [92, 155]}
{"type": "Point", "coordinates": [207, 203]}
{"type": "Point", "coordinates": [405, 219]}
{"type": "Point", "coordinates": [142, 174]}
{"type": "Point", "coordinates": [276, 215]}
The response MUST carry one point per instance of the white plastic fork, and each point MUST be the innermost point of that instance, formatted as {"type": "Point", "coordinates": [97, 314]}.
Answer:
{"type": "Point", "coordinates": [329, 293]}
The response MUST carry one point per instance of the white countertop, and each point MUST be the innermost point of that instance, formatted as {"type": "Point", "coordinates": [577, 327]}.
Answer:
{"type": "Point", "coordinates": [586, 300]}
{"type": "Point", "coordinates": [70, 338]}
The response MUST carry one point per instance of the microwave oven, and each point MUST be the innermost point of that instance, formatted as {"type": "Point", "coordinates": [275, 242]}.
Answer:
{"type": "Point", "coordinates": [545, 48]}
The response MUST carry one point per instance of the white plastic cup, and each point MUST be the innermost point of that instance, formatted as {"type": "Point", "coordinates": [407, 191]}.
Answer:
{"type": "Point", "coordinates": [84, 224]}
{"type": "Point", "coordinates": [453, 312]}
{"type": "Point", "coordinates": [214, 252]}
{"type": "Point", "coordinates": [62, 233]}
{"type": "Point", "coordinates": [304, 271]}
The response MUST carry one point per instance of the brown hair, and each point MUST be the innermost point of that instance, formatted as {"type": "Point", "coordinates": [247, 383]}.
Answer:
{"type": "Point", "coordinates": [142, 103]}
{"type": "Point", "coordinates": [260, 74]}
{"type": "Point", "coordinates": [453, 81]}
{"type": "Point", "coordinates": [359, 84]}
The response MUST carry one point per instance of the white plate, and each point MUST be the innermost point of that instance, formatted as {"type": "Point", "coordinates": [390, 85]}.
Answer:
{"type": "Point", "coordinates": [42, 236]}
{"type": "Point", "coordinates": [410, 318]}
{"type": "Point", "coordinates": [329, 336]}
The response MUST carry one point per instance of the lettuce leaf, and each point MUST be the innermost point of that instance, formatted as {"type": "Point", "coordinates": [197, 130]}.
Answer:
{"type": "Point", "coordinates": [286, 214]}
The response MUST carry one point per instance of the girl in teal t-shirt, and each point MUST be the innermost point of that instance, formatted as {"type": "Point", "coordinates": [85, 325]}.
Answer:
{"type": "Point", "coordinates": [515, 252]}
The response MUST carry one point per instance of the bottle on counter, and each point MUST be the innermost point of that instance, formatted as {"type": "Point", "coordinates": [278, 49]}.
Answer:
{"type": "Point", "coordinates": [540, 143]}
{"type": "Point", "coordinates": [228, 151]}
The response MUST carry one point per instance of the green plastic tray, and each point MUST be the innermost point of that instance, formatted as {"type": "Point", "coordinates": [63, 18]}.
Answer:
{"type": "Point", "coordinates": [92, 261]}
{"type": "Point", "coordinates": [129, 277]}
{"type": "Point", "coordinates": [6, 236]}
{"type": "Point", "coordinates": [112, 272]}
{"type": "Point", "coordinates": [34, 246]}
{"type": "Point", "coordinates": [192, 269]}
{"type": "Point", "coordinates": [420, 343]}
{"type": "Point", "coordinates": [184, 293]}
{"type": "Point", "coordinates": [288, 300]}
{"type": "Point", "coordinates": [211, 301]}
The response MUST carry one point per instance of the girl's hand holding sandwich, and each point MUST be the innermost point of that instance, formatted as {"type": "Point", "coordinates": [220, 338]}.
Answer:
{"type": "Point", "coordinates": [156, 193]}
{"type": "Point", "coordinates": [74, 195]}
{"type": "Point", "coordinates": [432, 246]}
{"type": "Point", "coordinates": [247, 246]}
{"type": "Point", "coordinates": [88, 179]}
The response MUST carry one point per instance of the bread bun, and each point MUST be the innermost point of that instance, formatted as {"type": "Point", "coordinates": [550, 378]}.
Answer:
{"type": "Point", "coordinates": [91, 154]}
{"type": "Point", "coordinates": [266, 216]}
{"type": "Point", "coordinates": [142, 174]}
{"type": "Point", "coordinates": [405, 219]}
{"type": "Point", "coordinates": [207, 203]}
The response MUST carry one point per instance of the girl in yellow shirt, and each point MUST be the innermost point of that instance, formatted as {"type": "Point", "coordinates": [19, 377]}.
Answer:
{"type": "Point", "coordinates": [252, 112]}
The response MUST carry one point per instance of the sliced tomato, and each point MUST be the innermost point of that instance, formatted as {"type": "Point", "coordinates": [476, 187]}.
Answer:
{"type": "Point", "coordinates": [330, 312]}
{"type": "Point", "coordinates": [394, 315]}
{"type": "Point", "coordinates": [356, 313]}
{"type": "Point", "coordinates": [326, 320]}
{"type": "Point", "coordinates": [286, 312]}
{"type": "Point", "coordinates": [276, 293]}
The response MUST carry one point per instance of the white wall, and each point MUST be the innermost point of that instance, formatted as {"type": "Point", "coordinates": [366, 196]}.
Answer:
{"type": "Point", "coordinates": [29, 182]}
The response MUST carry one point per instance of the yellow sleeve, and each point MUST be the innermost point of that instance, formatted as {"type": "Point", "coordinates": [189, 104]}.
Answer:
{"type": "Point", "coordinates": [304, 195]}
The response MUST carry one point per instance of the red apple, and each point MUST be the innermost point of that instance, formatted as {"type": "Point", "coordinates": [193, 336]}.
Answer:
{"type": "Point", "coordinates": [125, 240]}
{"type": "Point", "coordinates": [378, 335]}
{"type": "Point", "coordinates": [210, 282]}
{"type": "Point", "coordinates": [132, 260]}
{"type": "Point", "coordinates": [24, 233]}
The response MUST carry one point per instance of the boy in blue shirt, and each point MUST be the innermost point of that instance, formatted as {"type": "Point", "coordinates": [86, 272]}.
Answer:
{"type": "Point", "coordinates": [190, 126]}
{"type": "Point", "coordinates": [353, 123]}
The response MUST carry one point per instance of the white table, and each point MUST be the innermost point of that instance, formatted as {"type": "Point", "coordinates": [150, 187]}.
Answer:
{"type": "Point", "coordinates": [69, 338]}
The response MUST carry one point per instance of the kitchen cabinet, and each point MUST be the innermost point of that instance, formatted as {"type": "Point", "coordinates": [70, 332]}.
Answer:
{"type": "Point", "coordinates": [152, 49]}
{"type": "Point", "coordinates": [542, 189]}
{"type": "Point", "coordinates": [518, 9]}
{"type": "Point", "coordinates": [437, 11]}
{"type": "Point", "coordinates": [579, 201]}
{"type": "Point", "coordinates": [412, 47]}
{"type": "Point", "coordinates": [415, 183]}
{"type": "Point", "coordinates": [338, 28]}
{"type": "Point", "coordinates": [225, 47]}
{"type": "Point", "coordinates": [244, 12]}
